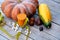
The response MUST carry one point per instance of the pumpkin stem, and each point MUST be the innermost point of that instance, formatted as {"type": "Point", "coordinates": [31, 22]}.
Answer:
{"type": "Point", "coordinates": [19, 1]}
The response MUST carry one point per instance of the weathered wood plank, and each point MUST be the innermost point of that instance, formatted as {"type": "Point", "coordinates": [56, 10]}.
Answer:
{"type": "Point", "coordinates": [22, 37]}
{"type": "Point", "coordinates": [36, 34]}
{"type": "Point", "coordinates": [57, 1]}
{"type": "Point", "coordinates": [2, 37]}
{"type": "Point", "coordinates": [54, 31]}
{"type": "Point", "coordinates": [46, 34]}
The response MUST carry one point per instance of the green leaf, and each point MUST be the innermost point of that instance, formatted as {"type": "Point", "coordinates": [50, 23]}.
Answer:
{"type": "Point", "coordinates": [17, 35]}
{"type": "Point", "coordinates": [3, 30]}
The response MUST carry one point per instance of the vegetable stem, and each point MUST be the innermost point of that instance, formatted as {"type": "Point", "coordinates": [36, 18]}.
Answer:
{"type": "Point", "coordinates": [19, 1]}
{"type": "Point", "coordinates": [17, 35]}
{"type": "Point", "coordinates": [27, 36]}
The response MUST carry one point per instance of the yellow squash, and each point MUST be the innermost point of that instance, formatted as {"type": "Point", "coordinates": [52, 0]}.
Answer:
{"type": "Point", "coordinates": [45, 15]}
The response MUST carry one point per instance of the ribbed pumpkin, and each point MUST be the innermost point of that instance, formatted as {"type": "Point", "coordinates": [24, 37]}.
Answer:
{"type": "Point", "coordinates": [13, 7]}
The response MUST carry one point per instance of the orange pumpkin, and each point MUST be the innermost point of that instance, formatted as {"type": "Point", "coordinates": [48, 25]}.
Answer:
{"type": "Point", "coordinates": [13, 7]}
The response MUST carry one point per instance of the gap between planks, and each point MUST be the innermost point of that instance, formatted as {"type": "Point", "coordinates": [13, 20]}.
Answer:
{"type": "Point", "coordinates": [4, 36]}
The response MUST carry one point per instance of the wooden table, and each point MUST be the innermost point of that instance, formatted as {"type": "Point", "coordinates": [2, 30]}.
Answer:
{"type": "Point", "coordinates": [47, 34]}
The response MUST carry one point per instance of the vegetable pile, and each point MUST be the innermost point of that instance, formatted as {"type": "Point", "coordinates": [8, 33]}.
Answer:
{"type": "Point", "coordinates": [25, 21]}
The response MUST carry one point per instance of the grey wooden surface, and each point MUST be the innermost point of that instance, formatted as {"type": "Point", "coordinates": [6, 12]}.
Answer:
{"type": "Point", "coordinates": [47, 34]}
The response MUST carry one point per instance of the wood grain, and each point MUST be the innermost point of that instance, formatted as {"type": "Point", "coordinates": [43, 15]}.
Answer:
{"type": "Point", "coordinates": [47, 34]}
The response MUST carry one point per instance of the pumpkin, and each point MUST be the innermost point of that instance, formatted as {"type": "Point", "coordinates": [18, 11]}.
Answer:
{"type": "Point", "coordinates": [11, 8]}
